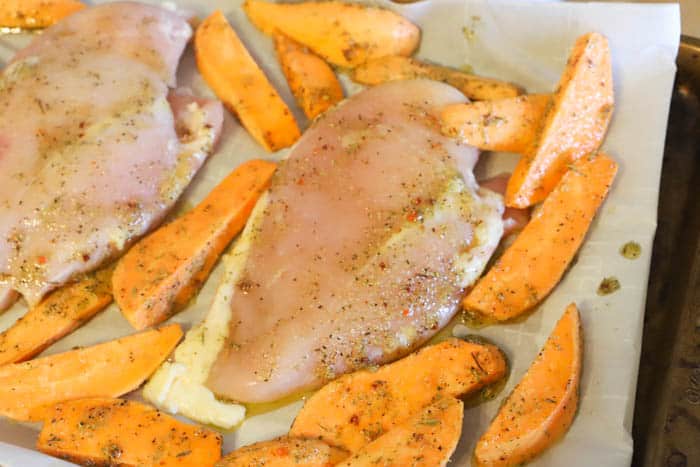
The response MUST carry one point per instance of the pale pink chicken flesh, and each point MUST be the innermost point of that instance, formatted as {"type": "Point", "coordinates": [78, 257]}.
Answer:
{"type": "Point", "coordinates": [92, 152]}
{"type": "Point", "coordinates": [348, 267]}
{"type": "Point", "coordinates": [7, 298]}
{"type": "Point", "coordinates": [514, 219]}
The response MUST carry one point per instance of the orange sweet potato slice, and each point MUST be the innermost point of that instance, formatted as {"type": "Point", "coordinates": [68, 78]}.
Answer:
{"type": "Point", "coordinates": [397, 68]}
{"type": "Point", "coordinates": [542, 406]}
{"type": "Point", "coordinates": [161, 273]}
{"type": "Point", "coordinates": [359, 407]}
{"type": "Point", "coordinates": [238, 81]}
{"type": "Point", "coordinates": [33, 14]}
{"type": "Point", "coordinates": [283, 452]}
{"type": "Point", "coordinates": [29, 389]}
{"type": "Point", "coordinates": [535, 262]}
{"type": "Point", "coordinates": [311, 79]}
{"type": "Point", "coordinates": [574, 126]}
{"type": "Point", "coordinates": [427, 438]}
{"type": "Point", "coordinates": [60, 313]}
{"type": "Point", "coordinates": [509, 125]}
{"type": "Point", "coordinates": [105, 431]}
{"type": "Point", "coordinates": [345, 34]}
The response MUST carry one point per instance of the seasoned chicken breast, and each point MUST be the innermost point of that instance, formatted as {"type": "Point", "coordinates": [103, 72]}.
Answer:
{"type": "Point", "coordinates": [360, 252]}
{"type": "Point", "coordinates": [92, 153]}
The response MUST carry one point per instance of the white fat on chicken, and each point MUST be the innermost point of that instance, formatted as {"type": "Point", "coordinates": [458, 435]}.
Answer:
{"type": "Point", "coordinates": [178, 386]}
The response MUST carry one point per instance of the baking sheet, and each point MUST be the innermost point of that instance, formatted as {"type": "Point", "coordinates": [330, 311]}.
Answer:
{"type": "Point", "coordinates": [666, 428]}
{"type": "Point", "coordinates": [526, 42]}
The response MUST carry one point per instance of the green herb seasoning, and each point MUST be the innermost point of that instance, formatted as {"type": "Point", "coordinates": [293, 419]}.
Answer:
{"type": "Point", "coordinates": [430, 422]}
{"type": "Point", "coordinates": [468, 33]}
{"type": "Point", "coordinates": [608, 285]}
{"type": "Point", "coordinates": [631, 250]}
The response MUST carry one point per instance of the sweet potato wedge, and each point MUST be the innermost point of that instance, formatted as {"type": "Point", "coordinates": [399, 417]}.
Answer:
{"type": "Point", "coordinates": [311, 79]}
{"type": "Point", "coordinates": [497, 125]}
{"type": "Point", "coordinates": [34, 14]}
{"type": "Point", "coordinates": [345, 34]}
{"type": "Point", "coordinates": [284, 451]}
{"type": "Point", "coordinates": [574, 126]}
{"type": "Point", "coordinates": [427, 438]}
{"type": "Point", "coordinates": [29, 389]}
{"type": "Point", "coordinates": [359, 407]}
{"type": "Point", "coordinates": [105, 431]}
{"type": "Point", "coordinates": [161, 273]}
{"type": "Point", "coordinates": [535, 262]}
{"type": "Point", "coordinates": [233, 75]}
{"type": "Point", "coordinates": [542, 406]}
{"type": "Point", "coordinates": [61, 312]}
{"type": "Point", "coordinates": [397, 68]}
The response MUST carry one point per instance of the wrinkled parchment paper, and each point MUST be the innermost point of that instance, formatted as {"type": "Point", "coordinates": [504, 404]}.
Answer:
{"type": "Point", "coordinates": [526, 42]}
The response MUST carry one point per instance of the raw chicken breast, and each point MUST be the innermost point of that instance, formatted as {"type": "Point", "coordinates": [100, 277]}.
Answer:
{"type": "Point", "coordinates": [359, 252]}
{"type": "Point", "coordinates": [91, 153]}
{"type": "Point", "coordinates": [359, 255]}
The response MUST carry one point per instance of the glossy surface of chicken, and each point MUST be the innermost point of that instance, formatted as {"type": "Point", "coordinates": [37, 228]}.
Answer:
{"type": "Point", "coordinates": [92, 153]}
{"type": "Point", "coordinates": [371, 230]}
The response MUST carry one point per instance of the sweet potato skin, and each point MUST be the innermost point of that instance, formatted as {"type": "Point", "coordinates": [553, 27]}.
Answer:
{"type": "Point", "coordinates": [357, 408]}
{"type": "Point", "coordinates": [345, 34]}
{"type": "Point", "coordinates": [542, 407]}
{"type": "Point", "coordinates": [60, 313]}
{"type": "Point", "coordinates": [509, 125]}
{"type": "Point", "coordinates": [427, 438]}
{"type": "Point", "coordinates": [397, 68]}
{"type": "Point", "coordinates": [283, 452]}
{"type": "Point", "coordinates": [110, 369]}
{"type": "Point", "coordinates": [573, 127]}
{"type": "Point", "coordinates": [313, 83]}
{"type": "Point", "coordinates": [238, 81]}
{"type": "Point", "coordinates": [160, 274]}
{"type": "Point", "coordinates": [104, 431]}
{"type": "Point", "coordinates": [535, 262]}
{"type": "Point", "coordinates": [33, 14]}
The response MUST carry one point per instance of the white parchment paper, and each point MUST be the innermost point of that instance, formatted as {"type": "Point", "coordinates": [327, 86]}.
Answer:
{"type": "Point", "coordinates": [526, 42]}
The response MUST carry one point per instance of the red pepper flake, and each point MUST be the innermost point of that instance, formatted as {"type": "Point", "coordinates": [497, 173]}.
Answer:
{"type": "Point", "coordinates": [412, 216]}
{"type": "Point", "coordinates": [406, 312]}
{"type": "Point", "coordinates": [281, 451]}
{"type": "Point", "coordinates": [417, 201]}
{"type": "Point", "coordinates": [300, 181]}
{"type": "Point", "coordinates": [41, 260]}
